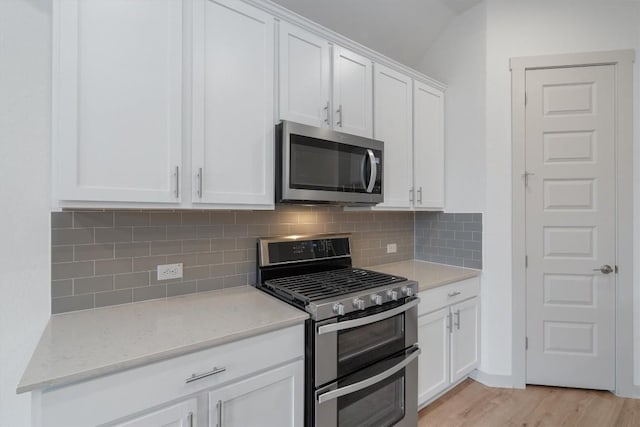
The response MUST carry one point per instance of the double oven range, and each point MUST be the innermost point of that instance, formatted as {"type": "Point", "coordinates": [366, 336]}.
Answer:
{"type": "Point", "coordinates": [361, 344]}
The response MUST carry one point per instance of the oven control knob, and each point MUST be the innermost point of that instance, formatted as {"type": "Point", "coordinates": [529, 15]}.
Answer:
{"type": "Point", "coordinates": [376, 299]}
{"type": "Point", "coordinates": [393, 295]}
{"type": "Point", "coordinates": [358, 303]}
{"type": "Point", "coordinates": [338, 309]}
{"type": "Point", "coordinates": [407, 291]}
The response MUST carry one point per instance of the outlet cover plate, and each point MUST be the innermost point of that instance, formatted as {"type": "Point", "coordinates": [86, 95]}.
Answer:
{"type": "Point", "coordinates": [392, 248]}
{"type": "Point", "coordinates": [170, 271]}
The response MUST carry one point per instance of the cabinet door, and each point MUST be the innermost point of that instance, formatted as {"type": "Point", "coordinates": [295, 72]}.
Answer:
{"type": "Point", "coordinates": [433, 363]}
{"type": "Point", "coordinates": [392, 106]}
{"type": "Point", "coordinates": [272, 399]}
{"type": "Point", "coordinates": [352, 93]}
{"type": "Point", "coordinates": [233, 121]}
{"type": "Point", "coordinates": [304, 77]}
{"type": "Point", "coordinates": [181, 415]}
{"type": "Point", "coordinates": [465, 339]}
{"type": "Point", "coordinates": [117, 100]}
{"type": "Point", "coordinates": [428, 147]}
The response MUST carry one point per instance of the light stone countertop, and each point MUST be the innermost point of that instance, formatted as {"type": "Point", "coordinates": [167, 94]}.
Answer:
{"type": "Point", "coordinates": [428, 274]}
{"type": "Point", "coordinates": [86, 344]}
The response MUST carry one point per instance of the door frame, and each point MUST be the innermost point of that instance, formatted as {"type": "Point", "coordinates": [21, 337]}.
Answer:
{"type": "Point", "coordinates": [622, 60]}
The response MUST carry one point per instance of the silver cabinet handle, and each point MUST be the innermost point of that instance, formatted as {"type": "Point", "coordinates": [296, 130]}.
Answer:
{"type": "Point", "coordinates": [339, 111]}
{"type": "Point", "coordinates": [339, 326]}
{"type": "Point", "coordinates": [177, 182]}
{"type": "Point", "coordinates": [411, 195]}
{"type": "Point", "coordinates": [196, 377]}
{"type": "Point", "coordinates": [420, 195]}
{"type": "Point", "coordinates": [190, 419]}
{"type": "Point", "coordinates": [200, 183]}
{"type": "Point", "coordinates": [605, 269]}
{"type": "Point", "coordinates": [219, 413]}
{"type": "Point", "coordinates": [449, 322]}
{"type": "Point", "coordinates": [453, 294]}
{"type": "Point", "coordinates": [457, 319]}
{"type": "Point", "coordinates": [374, 171]}
{"type": "Point", "coordinates": [333, 394]}
{"type": "Point", "coordinates": [326, 113]}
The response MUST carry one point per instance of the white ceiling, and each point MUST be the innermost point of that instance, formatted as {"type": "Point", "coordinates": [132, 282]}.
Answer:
{"type": "Point", "coordinates": [400, 29]}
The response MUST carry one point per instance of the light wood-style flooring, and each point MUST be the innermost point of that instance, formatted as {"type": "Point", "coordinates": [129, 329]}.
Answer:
{"type": "Point", "coordinates": [473, 404]}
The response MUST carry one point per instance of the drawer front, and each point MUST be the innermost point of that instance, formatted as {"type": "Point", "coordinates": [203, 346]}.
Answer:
{"type": "Point", "coordinates": [125, 393]}
{"type": "Point", "coordinates": [436, 298]}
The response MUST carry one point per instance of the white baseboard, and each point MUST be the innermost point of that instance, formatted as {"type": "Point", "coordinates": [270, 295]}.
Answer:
{"type": "Point", "coordinates": [632, 392]}
{"type": "Point", "coordinates": [492, 380]}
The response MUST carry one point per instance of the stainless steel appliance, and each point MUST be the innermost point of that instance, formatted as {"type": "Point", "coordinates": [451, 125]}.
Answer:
{"type": "Point", "coordinates": [361, 339]}
{"type": "Point", "coordinates": [315, 165]}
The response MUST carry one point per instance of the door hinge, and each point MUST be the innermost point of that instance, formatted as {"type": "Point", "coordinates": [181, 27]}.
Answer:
{"type": "Point", "coordinates": [526, 261]}
{"type": "Point", "coordinates": [615, 269]}
{"type": "Point", "coordinates": [526, 343]}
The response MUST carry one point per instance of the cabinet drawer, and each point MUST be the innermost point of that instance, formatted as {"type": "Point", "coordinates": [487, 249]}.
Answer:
{"type": "Point", "coordinates": [436, 298]}
{"type": "Point", "coordinates": [128, 392]}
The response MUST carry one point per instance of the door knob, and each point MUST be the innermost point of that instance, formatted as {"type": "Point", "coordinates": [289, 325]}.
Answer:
{"type": "Point", "coordinates": [605, 269]}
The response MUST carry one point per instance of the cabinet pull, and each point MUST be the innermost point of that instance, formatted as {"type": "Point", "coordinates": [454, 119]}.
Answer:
{"type": "Point", "coordinates": [190, 419]}
{"type": "Point", "coordinates": [411, 197]}
{"type": "Point", "coordinates": [177, 182]}
{"type": "Point", "coordinates": [458, 319]}
{"type": "Point", "coordinates": [200, 183]}
{"type": "Point", "coordinates": [449, 323]}
{"type": "Point", "coordinates": [196, 377]}
{"type": "Point", "coordinates": [453, 294]}
{"type": "Point", "coordinates": [219, 413]}
{"type": "Point", "coordinates": [339, 111]}
{"type": "Point", "coordinates": [420, 195]}
{"type": "Point", "coordinates": [326, 113]}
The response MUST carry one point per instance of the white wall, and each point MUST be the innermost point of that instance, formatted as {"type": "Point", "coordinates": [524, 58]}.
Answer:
{"type": "Point", "coordinates": [25, 74]}
{"type": "Point", "coordinates": [516, 29]}
{"type": "Point", "coordinates": [458, 58]}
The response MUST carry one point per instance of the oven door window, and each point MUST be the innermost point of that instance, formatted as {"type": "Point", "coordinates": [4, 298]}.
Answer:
{"type": "Point", "coordinates": [362, 346]}
{"type": "Point", "coordinates": [331, 166]}
{"type": "Point", "coordinates": [380, 405]}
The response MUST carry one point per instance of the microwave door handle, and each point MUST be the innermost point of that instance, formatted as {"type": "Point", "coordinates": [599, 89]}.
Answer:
{"type": "Point", "coordinates": [349, 324]}
{"type": "Point", "coordinates": [333, 394]}
{"type": "Point", "coordinates": [362, 177]}
{"type": "Point", "coordinates": [374, 171]}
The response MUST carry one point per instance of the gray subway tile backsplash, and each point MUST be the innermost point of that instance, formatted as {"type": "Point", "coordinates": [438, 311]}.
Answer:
{"type": "Point", "coordinates": [102, 258]}
{"type": "Point", "coordinates": [449, 238]}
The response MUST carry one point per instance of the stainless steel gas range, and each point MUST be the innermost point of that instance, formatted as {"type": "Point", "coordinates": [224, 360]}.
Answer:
{"type": "Point", "coordinates": [361, 340]}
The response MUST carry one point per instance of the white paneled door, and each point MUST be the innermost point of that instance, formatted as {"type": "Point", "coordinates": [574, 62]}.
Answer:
{"type": "Point", "coordinates": [570, 227]}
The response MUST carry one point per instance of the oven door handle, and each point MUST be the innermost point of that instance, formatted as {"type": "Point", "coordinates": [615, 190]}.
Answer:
{"type": "Point", "coordinates": [348, 324]}
{"type": "Point", "coordinates": [333, 394]}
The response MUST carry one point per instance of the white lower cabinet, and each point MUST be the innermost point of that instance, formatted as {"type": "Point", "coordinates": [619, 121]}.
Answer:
{"type": "Point", "coordinates": [449, 337]}
{"type": "Point", "coordinates": [181, 415]}
{"type": "Point", "coordinates": [256, 381]}
{"type": "Point", "coordinates": [272, 399]}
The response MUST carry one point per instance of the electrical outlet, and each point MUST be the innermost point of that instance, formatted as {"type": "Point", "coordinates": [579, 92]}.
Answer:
{"type": "Point", "coordinates": [392, 248]}
{"type": "Point", "coordinates": [169, 271]}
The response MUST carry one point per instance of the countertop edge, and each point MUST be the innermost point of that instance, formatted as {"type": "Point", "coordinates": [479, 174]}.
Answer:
{"type": "Point", "coordinates": [158, 357]}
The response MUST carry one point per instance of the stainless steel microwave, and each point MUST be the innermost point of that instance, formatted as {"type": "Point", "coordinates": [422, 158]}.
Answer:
{"type": "Point", "coordinates": [316, 165]}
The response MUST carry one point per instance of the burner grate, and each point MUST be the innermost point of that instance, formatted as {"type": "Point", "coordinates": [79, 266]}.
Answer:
{"type": "Point", "coordinates": [327, 284]}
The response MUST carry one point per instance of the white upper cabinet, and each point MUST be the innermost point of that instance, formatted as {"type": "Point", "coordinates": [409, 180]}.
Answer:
{"type": "Point", "coordinates": [305, 77]}
{"type": "Point", "coordinates": [428, 147]}
{"type": "Point", "coordinates": [233, 104]}
{"type": "Point", "coordinates": [117, 103]}
{"type": "Point", "coordinates": [352, 93]}
{"type": "Point", "coordinates": [393, 117]}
